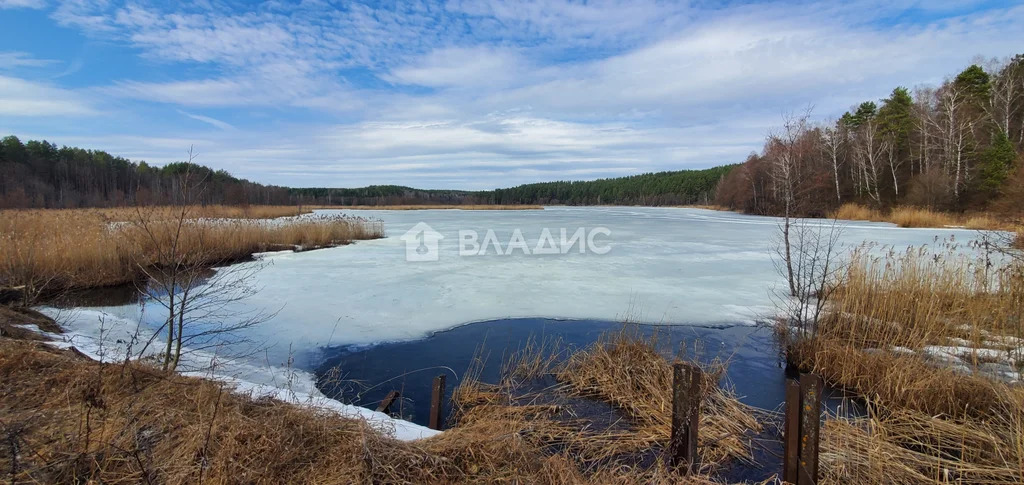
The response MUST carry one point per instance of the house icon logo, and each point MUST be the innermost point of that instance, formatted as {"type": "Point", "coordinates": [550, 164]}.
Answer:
{"type": "Point", "coordinates": [421, 243]}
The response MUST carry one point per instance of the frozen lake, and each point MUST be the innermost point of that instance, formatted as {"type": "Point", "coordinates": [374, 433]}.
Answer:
{"type": "Point", "coordinates": [662, 266]}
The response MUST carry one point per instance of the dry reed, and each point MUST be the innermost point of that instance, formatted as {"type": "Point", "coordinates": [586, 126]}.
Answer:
{"type": "Point", "coordinates": [62, 249]}
{"type": "Point", "coordinates": [625, 370]}
{"type": "Point", "coordinates": [628, 371]}
{"type": "Point", "coordinates": [857, 212]}
{"type": "Point", "coordinates": [71, 420]}
{"type": "Point", "coordinates": [907, 216]}
{"type": "Point", "coordinates": [886, 336]}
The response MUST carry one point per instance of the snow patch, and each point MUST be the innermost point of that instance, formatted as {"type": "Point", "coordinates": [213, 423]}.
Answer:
{"type": "Point", "coordinates": [108, 338]}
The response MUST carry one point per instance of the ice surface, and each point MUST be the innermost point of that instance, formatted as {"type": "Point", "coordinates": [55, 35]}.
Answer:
{"type": "Point", "coordinates": [665, 265]}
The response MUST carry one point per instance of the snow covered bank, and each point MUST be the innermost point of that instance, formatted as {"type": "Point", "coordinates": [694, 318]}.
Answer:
{"type": "Point", "coordinates": [110, 339]}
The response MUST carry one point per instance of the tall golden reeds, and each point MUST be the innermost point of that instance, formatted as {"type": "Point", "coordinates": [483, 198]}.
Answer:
{"type": "Point", "coordinates": [909, 216]}
{"type": "Point", "coordinates": [62, 249]}
{"type": "Point", "coordinates": [911, 333]}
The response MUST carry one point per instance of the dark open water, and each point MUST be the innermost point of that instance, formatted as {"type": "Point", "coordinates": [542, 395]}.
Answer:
{"type": "Point", "coordinates": [365, 375]}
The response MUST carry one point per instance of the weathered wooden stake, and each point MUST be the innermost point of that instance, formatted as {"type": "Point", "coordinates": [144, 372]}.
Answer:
{"type": "Point", "coordinates": [437, 403]}
{"type": "Point", "coordinates": [791, 432]}
{"type": "Point", "coordinates": [385, 405]}
{"type": "Point", "coordinates": [685, 416]}
{"type": "Point", "coordinates": [810, 416]}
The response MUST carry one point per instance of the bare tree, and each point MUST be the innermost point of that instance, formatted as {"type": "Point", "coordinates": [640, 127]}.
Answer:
{"type": "Point", "coordinates": [954, 127]}
{"type": "Point", "coordinates": [923, 122]}
{"type": "Point", "coordinates": [1006, 92]}
{"type": "Point", "coordinates": [895, 162]}
{"type": "Point", "coordinates": [833, 139]}
{"type": "Point", "coordinates": [785, 156]}
{"type": "Point", "coordinates": [814, 262]}
{"type": "Point", "coordinates": [870, 151]}
{"type": "Point", "coordinates": [178, 255]}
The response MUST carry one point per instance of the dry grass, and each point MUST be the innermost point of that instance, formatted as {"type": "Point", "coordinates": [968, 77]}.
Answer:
{"type": "Point", "coordinates": [907, 447]}
{"type": "Point", "coordinates": [61, 249]}
{"type": "Point", "coordinates": [907, 216]}
{"type": "Point", "coordinates": [627, 371]}
{"type": "Point", "coordinates": [71, 420]}
{"type": "Point", "coordinates": [935, 418]}
{"type": "Point", "coordinates": [917, 217]}
{"type": "Point", "coordinates": [857, 212]}
{"type": "Point", "coordinates": [922, 297]}
{"type": "Point", "coordinates": [468, 207]}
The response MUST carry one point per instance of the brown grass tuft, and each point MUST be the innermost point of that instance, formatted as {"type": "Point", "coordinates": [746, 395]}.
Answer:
{"type": "Point", "coordinates": [628, 371]}
{"type": "Point", "coordinates": [625, 370]}
{"type": "Point", "coordinates": [857, 212]}
{"type": "Point", "coordinates": [917, 217]}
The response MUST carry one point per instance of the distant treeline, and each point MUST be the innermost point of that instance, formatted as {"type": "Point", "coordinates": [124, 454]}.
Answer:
{"type": "Point", "coordinates": [953, 147]}
{"type": "Point", "coordinates": [662, 188]}
{"type": "Point", "coordinates": [382, 195]}
{"type": "Point", "coordinates": [39, 174]}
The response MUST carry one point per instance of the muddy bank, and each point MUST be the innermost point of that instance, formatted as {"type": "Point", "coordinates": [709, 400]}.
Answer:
{"type": "Point", "coordinates": [25, 323]}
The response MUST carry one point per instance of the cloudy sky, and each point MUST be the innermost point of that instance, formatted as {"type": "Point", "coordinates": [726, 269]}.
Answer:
{"type": "Point", "coordinates": [464, 93]}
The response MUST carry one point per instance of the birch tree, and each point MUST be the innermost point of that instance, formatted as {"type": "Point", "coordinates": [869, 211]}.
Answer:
{"type": "Point", "coordinates": [833, 140]}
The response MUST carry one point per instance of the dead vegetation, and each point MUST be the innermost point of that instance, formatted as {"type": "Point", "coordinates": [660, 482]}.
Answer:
{"type": "Point", "coordinates": [18, 323]}
{"type": "Point", "coordinates": [544, 384]}
{"type": "Point", "coordinates": [629, 372]}
{"type": "Point", "coordinates": [909, 216]}
{"type": "Point", "coordinates": [914, 335]}
{"type": "Point", "coordinates": [46, 250]}
{"type": "Point", "coordinates": [70, 420]}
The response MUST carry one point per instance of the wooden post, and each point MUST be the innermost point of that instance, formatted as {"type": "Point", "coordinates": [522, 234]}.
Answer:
{"type": "Point", "coordinates": [685, 416]}
{"type": "Point", "coordinates": [810, 419]}
{"type": "Point", "coordinates": [385, 405]}
{"type": "Point", "coordinates": [437, 403]}
{"type": "Point", "coordinates": [791, 432]}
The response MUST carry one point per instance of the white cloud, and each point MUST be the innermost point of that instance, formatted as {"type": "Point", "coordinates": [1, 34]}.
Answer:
{"type": "Point", "coordinates": [206, 92]}
{"type": "Point", "coordinates": [11, 60]}
{"type": "Point", "coordinates": [21, 98]}
{"type": "Point", "coordinates": [461, 66]}
{"type": "Point", "coordinates": [208, 120]}
{"type": "Point", "coordinates": [22, 4]}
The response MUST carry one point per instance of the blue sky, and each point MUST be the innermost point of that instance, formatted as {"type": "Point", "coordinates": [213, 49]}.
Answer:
{"type": "Point", "coordinates": [469, 94]}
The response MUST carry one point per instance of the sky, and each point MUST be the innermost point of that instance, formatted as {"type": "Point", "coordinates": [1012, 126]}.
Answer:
{"type": "Point", "coordinates": [467, 94]}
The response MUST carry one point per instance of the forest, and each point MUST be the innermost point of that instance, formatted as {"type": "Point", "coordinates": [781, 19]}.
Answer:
{"type": "Point", "coordinates": [38, 174]}
{"type": "Point", "coordinates": [662, 188]}
{"type": "Point", "coordinates": [681, 187]}
{"type": "Point", "coordinates": [954, 147]}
